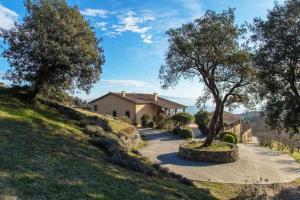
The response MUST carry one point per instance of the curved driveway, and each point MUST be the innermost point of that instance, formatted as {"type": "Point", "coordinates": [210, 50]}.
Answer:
{"type": "Point", "coordinates": [255, 165]}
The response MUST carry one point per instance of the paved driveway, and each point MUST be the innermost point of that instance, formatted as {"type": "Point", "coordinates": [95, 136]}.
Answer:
{"type": "Point", "coordinates": [256, 164]}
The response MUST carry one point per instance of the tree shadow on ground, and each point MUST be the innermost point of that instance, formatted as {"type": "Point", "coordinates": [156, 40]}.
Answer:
{"type": "Point", "coordinates": [174, 159]}
{"type": "Point", "coordinates": [161, 136]}
{"type": "Point", "coordinates": [290, 193]}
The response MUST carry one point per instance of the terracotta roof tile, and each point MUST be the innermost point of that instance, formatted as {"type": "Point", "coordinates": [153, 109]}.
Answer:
{"type": "Point", "coordinates": [140, 98]}
{"type": "Point", "coordinates": [230, 118]}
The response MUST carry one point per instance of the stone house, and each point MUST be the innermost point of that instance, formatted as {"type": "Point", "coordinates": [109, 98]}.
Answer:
{"type": "Point", "coordinates": [134, 105]}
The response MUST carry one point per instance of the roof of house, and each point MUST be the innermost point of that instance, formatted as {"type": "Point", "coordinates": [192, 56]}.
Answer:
{"type": "Point", "coordinates": [229, 118]}
{"type": "Point", "coordinates": [139, 98]}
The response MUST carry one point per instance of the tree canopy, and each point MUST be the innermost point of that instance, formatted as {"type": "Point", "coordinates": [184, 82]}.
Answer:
{"type": "Point", "coordinates": [208, 49]}
{"type": "Point", "coordinates": [54, 47]}
{"type": "Point", "coordinates": [277, 63]}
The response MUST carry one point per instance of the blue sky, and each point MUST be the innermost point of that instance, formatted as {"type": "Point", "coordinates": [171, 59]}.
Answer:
{"type": "Point", "coordinates": [134, 41]}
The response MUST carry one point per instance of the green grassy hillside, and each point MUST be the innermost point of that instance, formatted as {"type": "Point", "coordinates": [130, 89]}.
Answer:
{"type": "Point", "coordinates": [45, 155]}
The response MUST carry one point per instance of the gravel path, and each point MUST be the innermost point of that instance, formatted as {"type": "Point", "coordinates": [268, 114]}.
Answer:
{"type": "Point", "coordinates": [256, 164]}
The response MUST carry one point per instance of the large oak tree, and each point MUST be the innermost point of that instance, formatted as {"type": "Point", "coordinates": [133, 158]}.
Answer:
{"type": "Point", "coordinates": [54, 47]}
{"type": "Point", "coordinates": [208, 49]}
{"type": "Point", "coordinates": [277, 61]}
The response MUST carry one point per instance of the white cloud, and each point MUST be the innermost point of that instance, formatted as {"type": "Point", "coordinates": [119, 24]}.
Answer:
{"type": "Point", "coordinates": [147, 38]}
{"type": "Point", "coordinates": [94, 12]}
{"type": "Point", "coordinates": [128, 83]}
{"type": "Point", "coordinates": [7, 17]}
{"type": "Point", "coordinates": [101, 25]}
{"type": "Point", "coordinates": [131, 23]}
{"type": "Point", "coordinates": [194, 7]}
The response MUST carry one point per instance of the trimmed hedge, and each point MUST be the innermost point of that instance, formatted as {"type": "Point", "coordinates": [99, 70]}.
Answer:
{"type": "Point", "coordinates": [202, 119]}
{"type": "Point", "coordinates": [185, 133]}
{"type": "Point", "coordinates": [162, 121]}
{"type": "Point", "coordinates": [182, 119]}
{"type": "Point", "coordinates": [229, 138]}
{"type": "Point", "coordinates": [223, 134]}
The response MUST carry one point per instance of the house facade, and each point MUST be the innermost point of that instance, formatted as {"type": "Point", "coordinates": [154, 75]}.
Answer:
{"type": "Point", "coordinates": [233, 123]}
{"type": "Point", "coordinates": [134, 105]}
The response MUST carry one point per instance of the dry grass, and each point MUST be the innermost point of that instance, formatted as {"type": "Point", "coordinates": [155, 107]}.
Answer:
{"type": "Point", "coordinates": [216, 146]}
{"type": "Point", "coordinates": [116, 124]}
{"type": "Point", "coordinates": [45, 155]}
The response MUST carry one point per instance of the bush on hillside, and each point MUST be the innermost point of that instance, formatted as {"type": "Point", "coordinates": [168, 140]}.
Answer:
{"type": "Point", "coordinates": [130, 130]}
{"type": "Point", "coordinates": [146, 120]}
{"type": "Point", "coordinates": [181, 120]}
{"type": "Point", "coordinates": [202, 119]}
{"type": "Point", "coordinates": [223, 134]}
{"type": "Point", "coordinates": [125, 119]}
{"type": "Point", "coordinates": [162, 121]}
{"type": "Point", "coordinates": [94, 130]}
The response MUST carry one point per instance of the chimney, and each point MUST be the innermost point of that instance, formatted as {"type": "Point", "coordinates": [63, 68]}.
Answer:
{"type": "Point", "coordinates": [155, 96]}
{"type": "Point", "coordinates": [123, 94]}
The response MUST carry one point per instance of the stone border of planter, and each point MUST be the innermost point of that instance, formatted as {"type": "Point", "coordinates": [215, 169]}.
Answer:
{"type": "Point", "coordinates": [209, 156]}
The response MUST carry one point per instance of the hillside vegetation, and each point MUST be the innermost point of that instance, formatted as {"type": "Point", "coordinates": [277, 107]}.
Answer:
{"type": "Point", "coordinates": [45, 155]}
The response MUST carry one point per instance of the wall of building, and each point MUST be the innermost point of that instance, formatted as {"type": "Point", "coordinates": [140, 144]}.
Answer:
{"type": "Point", "coordinates": [109, 103]}
{"type": "Point", "coordinates": [142, 109]}
{"type": "Point", "coordinates": [246, 136]}
{"type": "Point", "coordinates": [235, 129]}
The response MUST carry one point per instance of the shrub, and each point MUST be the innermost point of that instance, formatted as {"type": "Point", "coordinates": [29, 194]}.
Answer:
{"type": "Point", "coordinates": [222, 135]}
{"type": "Point", "coordinates": [146, 119]}
{"type": "Point", "coordinates": [229, 138]}
{"type": "Point", "coordinates": [176, 131]}
{"type": "Point", "coordinates": [202, 119]}
{"type": "Point", "coordinates": [130, 130]}
{"type": "Point", "coordinates": [162, 121]}
{"type": "Point", "coordinates": [186, 133]}
{"type": "Point", "coordinates": [94, 130]}
{"type": "Point", "coordinates": [151, 124]}
{"type": "Point", "coordinates": [182, 119]}
{"type": "Point", "coordinates": [126, 119]}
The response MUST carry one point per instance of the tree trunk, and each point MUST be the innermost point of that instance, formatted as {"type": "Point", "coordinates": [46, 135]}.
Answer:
{"type": "Point", "coordinates": [34, 92]}
{"type": "Point", "coordinates": [220, 124]}
{"type": "Point", "coordinates": [212, 125]}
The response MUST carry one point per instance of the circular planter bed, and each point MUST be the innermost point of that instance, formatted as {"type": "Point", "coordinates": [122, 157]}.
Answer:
{"type": "Point", "coordinates": [218, 152]}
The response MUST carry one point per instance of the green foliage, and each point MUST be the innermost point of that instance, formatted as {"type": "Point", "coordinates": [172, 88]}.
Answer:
{"type": "Point", "coordinates": [125, 119]}
{"type": "Point", "coordinates": [94, 130]}
{"type": "Point", "coordinates": [228, 136]}
{"type": "Point", "coordinates": [146, 120]}
{"type": "Point", "coordinates": [186, 133]}
{"type": "Point", "coordinates": [208, 49]}
{"type": "Point", "coordinates": [277, 65]}
{"type": "Point", "coordinates": [181, 120]}
{"type": "Point", "coordinates": [54, 161]}
{"type": "Point", "coordinates": [54, 48]}
{"type": "Point", "coordinates": [216, 146]}
{"type": "Point", "coordinates": [151, 124]}
{"type": "Point", "coordinates": [130, 130]}
{"type": "Point", "coordinates": [163, 121]}
{"type": "Point", "coordinates": [202, 119]}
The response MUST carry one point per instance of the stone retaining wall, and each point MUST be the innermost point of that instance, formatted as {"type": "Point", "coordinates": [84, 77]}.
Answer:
{"type": "Point", "coordinates": [209, 156]}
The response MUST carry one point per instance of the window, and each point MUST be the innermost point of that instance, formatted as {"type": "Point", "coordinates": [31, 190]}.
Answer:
{"type": "Point", "coordinates": [95, 107]}
{"type": "Point", "coordinates": [127, 114]}
{"type": "Point", "coordinates": [114, 113]}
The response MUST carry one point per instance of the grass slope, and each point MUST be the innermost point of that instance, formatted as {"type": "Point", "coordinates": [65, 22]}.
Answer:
{"type": "Point", "coordinates": [46, 156]}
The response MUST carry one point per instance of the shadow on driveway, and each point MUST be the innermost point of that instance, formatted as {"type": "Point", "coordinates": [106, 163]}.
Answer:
{"type": "Point", "coordinates": [174, 159]}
